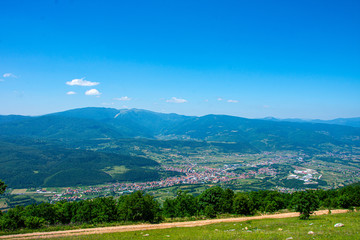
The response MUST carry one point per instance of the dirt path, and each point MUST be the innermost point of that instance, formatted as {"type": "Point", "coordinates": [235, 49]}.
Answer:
{"type": "Point", "coordinates": [141, 227]}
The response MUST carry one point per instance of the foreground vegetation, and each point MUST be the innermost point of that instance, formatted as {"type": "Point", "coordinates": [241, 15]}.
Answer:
{"type": "Point", "coordinates": [321, 226]}
{"type": "Point", "coordinates": [140, 207]}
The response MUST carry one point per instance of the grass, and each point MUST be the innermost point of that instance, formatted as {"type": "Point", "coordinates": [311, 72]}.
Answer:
{"type": "Point", "coordinates": [3, 203]}
{"type": "Point", "coordinates": [19, 191]}
{"type": "Point", "coordinates": [114, 170]}
{"type": "Point", "coordinates": [322, 226]}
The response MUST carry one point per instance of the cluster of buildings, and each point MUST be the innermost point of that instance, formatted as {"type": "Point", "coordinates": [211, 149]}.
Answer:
{"type": "Point", "coordinates": [309, 176]}
{"type": "Point", "coordinates": [196, 170]}
{"type": "Point", "coordinates": [200, 175]}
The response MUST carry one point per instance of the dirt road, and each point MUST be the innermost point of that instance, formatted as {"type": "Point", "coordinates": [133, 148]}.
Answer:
{"type": "Point", "coordinates": [141, 227]}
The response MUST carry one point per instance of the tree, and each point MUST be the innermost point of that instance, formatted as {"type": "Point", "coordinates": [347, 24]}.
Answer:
{"type": "Point", "coordinates": [209, 211]}
{"type": "Point", "coordinates": [243, 204]}
{"type": "Point", "coordinates": [306, 203]}
{"type": "Point", "coordinates": [34, 222]}
{"type": "Point", "coordinates": [139, 207]}
{"type": "Point", "coordinates": [64, 211]}
{"type": "Point", "coordinates": [13, 219]}
{"type": "Point", "coordinates": [104, 210]}
{"type": "Point", "coordinates": [169, 208]}
{"type": "Point", "coordinates": [212, 196]}
{"type": "Point", "coordinates": [185, 204]}
{"type": "Point", "coordinates": [2, 187]}
{"type": "Point", "coordinates": [227, 200]}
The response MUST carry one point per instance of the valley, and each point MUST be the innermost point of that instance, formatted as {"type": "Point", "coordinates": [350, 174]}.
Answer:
{"type": "Point", "coordinates": [283, 171]}
{"type": "Point", "coordinates": [43, 160]}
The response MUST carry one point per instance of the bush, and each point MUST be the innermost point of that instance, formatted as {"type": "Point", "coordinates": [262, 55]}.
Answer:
{"type": "Point", "coordinates": [34, 222]}
{"type": "Point", "coordinates": [243, 204]}
{"type": "Point", "coordinates": [139, 207]}
{"type": "Point", "coordinates": [210, 211]}
{"type": "Point", "coordinates": [306, 203]}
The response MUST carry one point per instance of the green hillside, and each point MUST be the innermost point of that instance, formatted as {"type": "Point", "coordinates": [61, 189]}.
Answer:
{"type": "Point", "coordinates": [27, 163]}
{"type": "Point", "coordinates": [62, 128]}
{"type": "Point", "coordinates": [109, 123]}
{"type": "Point", "coordinates": [262, 134]}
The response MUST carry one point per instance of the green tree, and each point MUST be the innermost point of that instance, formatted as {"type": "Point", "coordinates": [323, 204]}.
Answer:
{"type": "Point", "coordinates": [45, 211]}
{"type": "Point", "coordinates": [139, 207]}
{"type": "Point", "coordinates": [64, 211]}
{"type": "Point", "coordinates": [84, 212]}
{"type": "Point", "coordinates": [105, 210]}
{"type": "Point", "coordinates": [185, 204]}
{"type": "Point", "coordinates": [13, 219]}
{"type": "Point", "coordinates": [227, 200]}
{"type": "Point", "coordinates": [243, 204]}
{"type": "Point", "coordinates": [306, 203]}
{"type": "Point", "coordinates": [169, 208]}
{"type": "Point", "coordinates": [34, 222]}
{"type": "Point", "coordinates": [329, 203]}
{"type": "Point", "coordinates": [212, 196]}
{"type": "Point", "coordinates": [209, 211]}
{"type": "Point", "coordinates": [2, 187]}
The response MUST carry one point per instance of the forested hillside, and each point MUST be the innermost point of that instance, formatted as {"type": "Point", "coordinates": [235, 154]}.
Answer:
{"type": "Point", "coordinates": [265, 135]}
{"type": "Point", "coordinates": [29, 163]}
{"type": "Point", "coordinates": [108, 123]}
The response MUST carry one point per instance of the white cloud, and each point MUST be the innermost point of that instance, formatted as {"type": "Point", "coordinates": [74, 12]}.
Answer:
{"type": "Point", "coordinates": [6, 75]}
{"type": "Point", "coordinates": [176, 100]}
{"type": "Point", "coordinates": [219, 99]}
{"type": "Point", "coordinates": [92, 92]}
{"type": "Point", "coordinates": [71, 93]}
{"type": "Point", "coordinates": [126, 98]}
{"type": "Point", "coordinates": [232, 101]}
{"type": "Point", "coordinates": [81, 82]}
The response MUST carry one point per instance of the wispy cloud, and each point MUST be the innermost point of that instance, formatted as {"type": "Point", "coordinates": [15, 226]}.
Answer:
{"type": "Point", "coordinates": [219, 99]}
{"type": "Point", "coordinates": [232, 101]}
{"type": "Point", "coordinates": [1, 80]}
{"type": "Point", "coordinates": [81, 82]}
{"type": "Point", "coordinates": [266, 106]}
{"type": "Point", "coordinates": [126, 98]}
{"type": "Point", "coordinates": [7, 75]}
{"type": "Point", "coordinates": [176, 100]}
{"type": "Point", "coordinates": [71, 93]}
{"type": "Point", "coordinates": [92, 92]}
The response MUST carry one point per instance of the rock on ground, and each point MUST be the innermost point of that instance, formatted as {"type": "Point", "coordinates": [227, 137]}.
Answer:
{"type": "Point", "coordinates": [339, 225]}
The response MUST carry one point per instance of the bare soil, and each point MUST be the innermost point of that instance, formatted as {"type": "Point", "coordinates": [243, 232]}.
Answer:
{"type": "Point", "coordinates": [141, 227]}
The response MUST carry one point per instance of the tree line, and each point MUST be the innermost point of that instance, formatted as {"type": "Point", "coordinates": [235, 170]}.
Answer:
{"type": "Point", "coordinates": [141, 207]}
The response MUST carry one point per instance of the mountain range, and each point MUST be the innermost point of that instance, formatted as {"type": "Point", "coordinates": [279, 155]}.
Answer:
{"type": "Point", "coordinates": [64, 148]}
{"type": "Point", "coordinates": [353, 122]}
{"type": "Point", "coordinates": [109, 123]}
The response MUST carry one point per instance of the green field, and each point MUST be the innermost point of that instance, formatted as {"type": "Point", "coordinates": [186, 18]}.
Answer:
{"type": "Point", "coordinates": [322, 226]}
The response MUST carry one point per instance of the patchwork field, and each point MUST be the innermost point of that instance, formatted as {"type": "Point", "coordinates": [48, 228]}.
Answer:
{"type": "Point", "coordinates": [19, 191]}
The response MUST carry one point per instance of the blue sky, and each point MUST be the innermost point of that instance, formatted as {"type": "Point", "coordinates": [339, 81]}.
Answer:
{"type": "Point", "coordinates": [287, 59]}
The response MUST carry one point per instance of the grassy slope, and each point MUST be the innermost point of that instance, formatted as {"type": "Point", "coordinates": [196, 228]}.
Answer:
{"type": "Point", "coordinates": [322, 226]}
